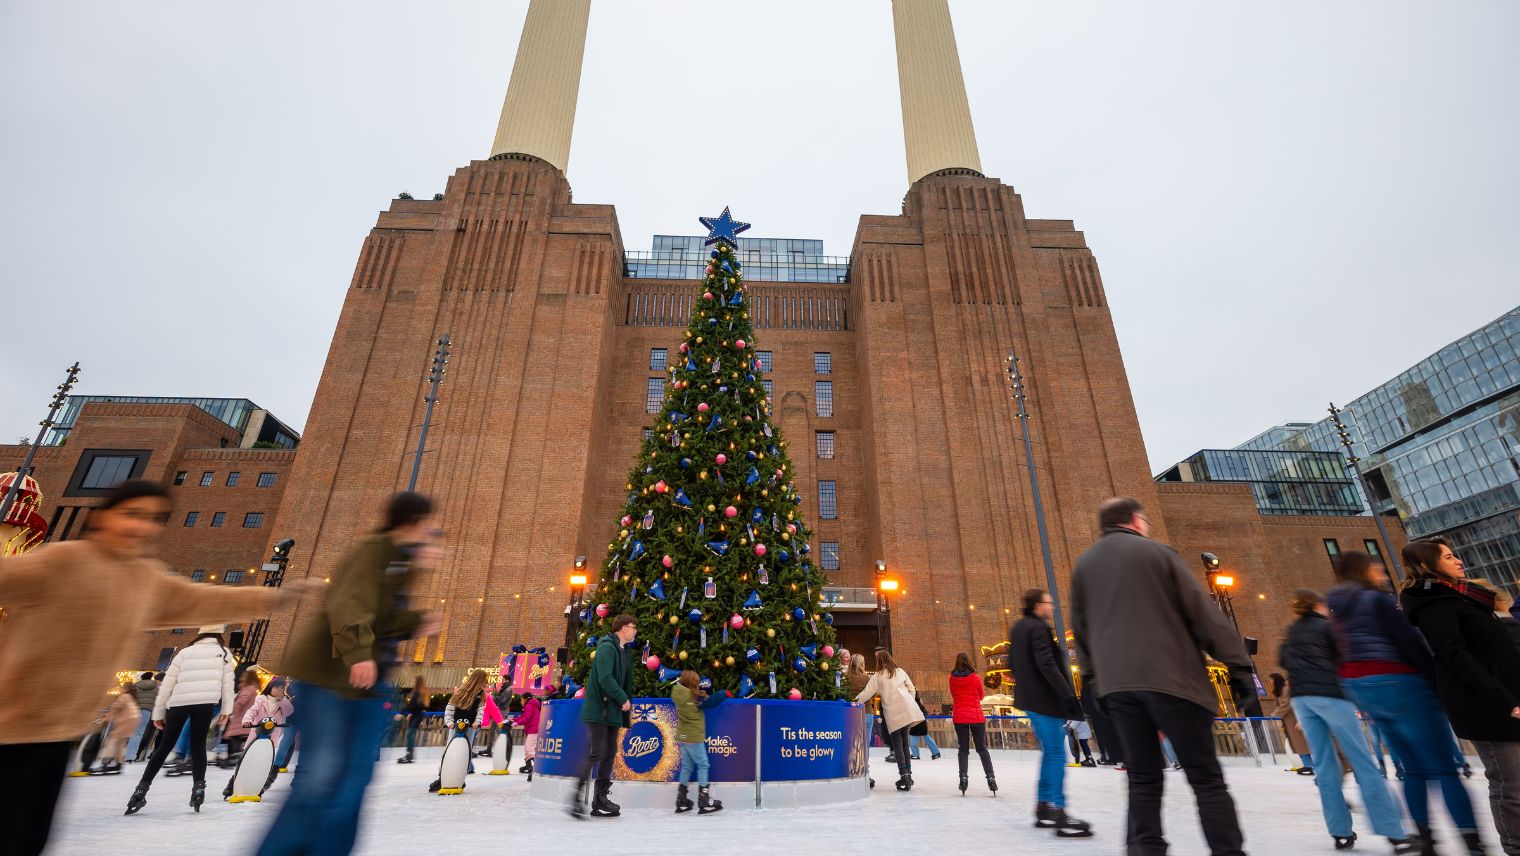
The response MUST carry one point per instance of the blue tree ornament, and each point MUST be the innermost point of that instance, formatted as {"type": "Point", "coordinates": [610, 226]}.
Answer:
{"type": "Point", "coordinates": [753, 601]}
{"type": "Point", "coordinates": [746, 686]}
{"type": "Point", "coordinates": [718, 547]}
{"type": "Point", "coordinates": [799, 664]}
{"type": "Point", "coordinates": [799, 614]}
{"type": "Point", "coordinates": [695, 615]}
{"type": "Point", "coordinates": [657, 591]}
{"type": "Point", "coordinates": [752, 655]}
{"type": "Point", "coordinates": [669, 675]}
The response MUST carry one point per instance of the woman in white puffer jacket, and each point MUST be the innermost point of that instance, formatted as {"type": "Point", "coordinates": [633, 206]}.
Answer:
{"type": "Point", "coordinates": [199, 679]}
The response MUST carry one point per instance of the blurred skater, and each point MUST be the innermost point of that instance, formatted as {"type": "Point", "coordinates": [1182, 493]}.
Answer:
{"type": "Point", "coordinates": [102, 589]}
{"type": "Point", "coordinates": [121, 725]}
{"type": "Point", "coordinates": [340, 657]}
{"type": "Point", "coordinates": [413, 709]}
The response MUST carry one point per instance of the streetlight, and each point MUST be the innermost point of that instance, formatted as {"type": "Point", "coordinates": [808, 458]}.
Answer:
{"type": "Point", "coordinates": [274, 575]}
{"type": "Point", "coordinates": [1377, 516]}
{"type": "Point", "coordinates": [60, 398]}
{"type": "Point", "coordinates": [885, 586]}
{"type": "Point", "coordinates": [578, 580]}
{"type": "Point", "coordinates": [1020, 395]}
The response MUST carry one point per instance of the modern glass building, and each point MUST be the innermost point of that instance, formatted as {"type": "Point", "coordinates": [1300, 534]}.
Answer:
{"type": "Point", "coordinates": [1440, 447]}
{"type": "Point", "coordinates": [1282, 482]}
{"type": "Point", "coordinates": [764, 260]}
{"type": "Point", "coordinates": [252, 421]}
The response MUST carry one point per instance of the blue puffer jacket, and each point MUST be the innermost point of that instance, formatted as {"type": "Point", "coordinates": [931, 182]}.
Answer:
{"type": "Point", "coordinates": [1371, 627]}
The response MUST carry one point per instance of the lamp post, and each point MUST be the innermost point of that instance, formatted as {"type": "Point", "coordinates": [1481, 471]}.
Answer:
{"type": "Point", "coordinates": [435, 377]}
{"type": "Point", "coordinates": [1019, 396]}
{"type": "Point", "coordinates": [60, 398]}
{"type": "Point", "coordinates": [884, 589]}
{"type": "Point", "coordinates": [578, 582]}
{"type": "Point", "coordinates": [1377, 516]}
{"type": "Point", "coordinates": [274, 575]}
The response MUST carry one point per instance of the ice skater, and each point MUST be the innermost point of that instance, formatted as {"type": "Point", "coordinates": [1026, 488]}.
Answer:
{"type": "Point", "coordinates": [466, 705]}
{"type": "Point", "coordinates": [919, 736]}
{"type": "Point", "coordinates": [1042, 688]}
{"type": "Point", "coordinates": [412, 710]}
{"type": "Point", "coordinates": [692, 703]}
{"type": "Point", "coordinates": [198, 680]}
{"type": "Point", "coordinates": [966, 694]}
{"type": "Point", "coordinates": [532, 710]}
{"type": "Point", "coordinates": [272, 704]}
{"type": "Point", "coordinates": [892, 685]}
{"type": "Point", "coordinates": [121, 724]}
{"type": "Point", "coordinates": [607, 706]}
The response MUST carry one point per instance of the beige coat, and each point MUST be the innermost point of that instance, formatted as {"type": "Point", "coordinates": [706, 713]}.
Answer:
{"type": "Point", "coordinates": [70, 609]}
{"type": "Point", "coordinates": [897, 703]}
{"type": "Point", "coordinates": [123, 715]}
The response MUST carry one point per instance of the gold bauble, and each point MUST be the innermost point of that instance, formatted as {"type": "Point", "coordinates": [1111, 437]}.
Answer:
{"type": "Point", "coordinates": [711, 508]}
{"type": "Point", "coordinates": [786, 536]}
{"type": "Point", "coordinates": [770, 633]}
{"type": "Point", "coordinates": [824, 665]}
{"type": "Point", "coordinates": [623, 534]}
{"type": "Point", "coordinates": [675, 619]}
{"type": "Point", "coordinates": [699, 340]}
{"type": "Point", "coordinates": [728, 661]}
{"type": "Point", "coordinates": [681, 654]}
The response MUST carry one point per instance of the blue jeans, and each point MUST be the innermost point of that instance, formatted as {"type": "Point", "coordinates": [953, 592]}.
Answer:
{"type": "Point", "coordinates": [135, 742]}
{"type": "Point", "coordinates": [1410, 718]}
{"type": "Point", "coordinates": [1051, 732]}
{"type": "Point", "coordinates": [1330, 721]}
{"type": "Point", "coordinates": [342, 737]}
{"type": "Point", "coordinates": [915, 742]}
{"type": "Point", "coordinates": [694, 757]}
{"type": "Point", "coordinates": [287, 746]}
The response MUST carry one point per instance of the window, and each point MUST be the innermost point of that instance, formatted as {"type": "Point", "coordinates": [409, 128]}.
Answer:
{"type": "Point", "coordinates": [823, 397]}
{"type": "Point", "coordinates": [764, 359]}
{"type": "Point", "coordinates": [165, 657]}
{"type": "Point", "coordinates": [232, 478]}
{"type": "Point", "coordinates": [654, 395]}
{"type": "Point", "coordinates": [178, 631]}
{"type": "Point", "coordinates": [266, 479]}
{"type": "Point", "coordinates": [198, 575]}
{"type": "Point", "coordinates": [828, 555]}
{"type": "Point", "coordinates": [1333, 550]}
{"type": "Point", "coordinates": [648, 432]}
{"type": "Point", "coordinates": [179, 477]}
{"type": "Point", "coordinates": [657, 359]}
{"type": "Point", "coordinates": [823, 362]}
{"type": "Point", "coordinates": [107, 471]}
{"type": "Point", "coordinates": [191, 518]}
{"type": "Point", "coordinates": [206, 478]}
{"type": "Point", "coordinates": [825, 444]}
{"type": "Point", "coordinates": [218, 519]}
{"type": "Point", "coordinates": [766, 385]}
{"type": "Point", "coordinates": [1372, 550]}
{"type": "Point", "coordinates": [234, 576]}
{"type": "Point", "coordinates": [253, 520]}
{"type": "Point", "coordinates": [827, 507]}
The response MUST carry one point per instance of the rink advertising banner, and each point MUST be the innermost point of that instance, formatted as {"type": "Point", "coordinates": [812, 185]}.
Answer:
{"type": "Point", "coordinates": [529, 677]}
{"type": "Point", "coordinates": [818, 740]}
{"type": "Point", "coordinates": [812, 740]}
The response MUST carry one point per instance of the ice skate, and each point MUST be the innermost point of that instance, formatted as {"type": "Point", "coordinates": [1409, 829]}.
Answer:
{"type": "Point", "coordinates": [963, 784]}
{"type": "Point", "coordinates": [705, 803]}
{"type": "Point", "coordinates": [198, 795]}
{"type": "Point", "coordinates": [683, 802]}
{"type": "Point", "coordinates": [138, 799]}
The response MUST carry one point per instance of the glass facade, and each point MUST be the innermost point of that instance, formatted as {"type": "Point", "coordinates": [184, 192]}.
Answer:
{"type": "Point", "coordinates": [763, 260]}
{"type": "Point", "coordinates": [1440, 446]}
{"type": "Point", "coordinates": [1282, 482]}
{"type": "Point", "coordinates": [235, 412]}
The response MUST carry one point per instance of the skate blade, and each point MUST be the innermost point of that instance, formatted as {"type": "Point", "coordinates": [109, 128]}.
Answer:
{"type": "Point", "coordinates": [1064, 833]}
{"type": "Point", "coordinates": [243, 799]}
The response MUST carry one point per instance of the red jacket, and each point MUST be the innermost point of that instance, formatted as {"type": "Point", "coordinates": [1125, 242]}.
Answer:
{"type": "Point", "coordinates": [529, 716]}
{"type": "Point", "coordinates": [966, 697]}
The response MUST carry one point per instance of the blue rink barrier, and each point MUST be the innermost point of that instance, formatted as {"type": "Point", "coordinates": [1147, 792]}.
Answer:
{"type": "Point", "coordinates": [778, 752]}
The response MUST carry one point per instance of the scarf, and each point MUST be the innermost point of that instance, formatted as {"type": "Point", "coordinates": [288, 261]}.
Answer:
{"type": "Point", "coordinates": [1472, 591]}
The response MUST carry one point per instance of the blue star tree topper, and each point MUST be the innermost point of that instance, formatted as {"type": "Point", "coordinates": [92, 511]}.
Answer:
{"type": "Point", "coordinates": [723, 229]}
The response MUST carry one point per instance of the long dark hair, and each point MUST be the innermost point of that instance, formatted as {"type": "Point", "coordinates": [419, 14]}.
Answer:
{"type": "Point", "coordinates": [885, 663]}
{"type": "Point", "coordinates": [1354, 566]}
{"type": "Point", "coordinates": [1420, 560]}
{"type": "Point", "coordinates": [963, 663]}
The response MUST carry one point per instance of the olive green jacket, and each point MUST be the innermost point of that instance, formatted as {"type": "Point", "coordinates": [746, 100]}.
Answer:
{"type": "Point", "coordinates": [363, 617]}
{"type": "Point", "coordinates": [608, 684]}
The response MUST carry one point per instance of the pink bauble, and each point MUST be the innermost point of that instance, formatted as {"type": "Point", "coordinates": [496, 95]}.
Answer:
{"type": "Point", "coordinates": [792, 528]}
{"type": "Point", "coordinates": [739, 344]}
{"type": "Point", "coordinates": [683, 347]}
{"type": "Point", "coordinates": [759, 549]}
{"type": "Point", "coordinates": [661, 487]}
{"type": "Point", "coordinates": [828, 650]}
{"type": "Point", "coordinates": [721, 459]}
{"type": "Point", "coordinates": [707, 295]}
{"type": "Point", "coordinates": [709, 268]}
{"type": "Point", "coordinates": [736, 621]}
{"type": "Point", "coordinates": [702, 408]}
{"type": "Point", "coordinates": [601, 610]}
{"type": "Point", "coordinates": [747, 418]}
{"type": "Point", "coordinates": [580, 693]}
{"type": "Point", "coordinates": [667, 561]}
{"type": "Point", "coordinates": [795, 694]}
{"type": "Point", "coordinates": [730, 512]}
{"type": "Point", "coordinates": [652, 663]}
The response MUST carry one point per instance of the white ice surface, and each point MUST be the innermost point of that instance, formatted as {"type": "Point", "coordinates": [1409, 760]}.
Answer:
{"type": "Point", "coordinates": [1280, 812]}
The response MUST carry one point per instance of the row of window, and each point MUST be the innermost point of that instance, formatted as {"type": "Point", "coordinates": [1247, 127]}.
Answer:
{"type": "Point", "coordinates": [251, 520]}
{"type": "Point", "coordinates": [232, 577]}
{"type": "Point", "coordinates": [823, 361]}
{"type": "Point", "coordinates": [1369, 546]}
{"type": "Point", "coordinates": [209, 477]}
{"type": "Point", "coordinates": [654, 398]}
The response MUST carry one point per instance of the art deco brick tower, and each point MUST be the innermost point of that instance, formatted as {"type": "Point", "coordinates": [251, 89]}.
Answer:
{"type": "Point", "coordinates": [544, 399]}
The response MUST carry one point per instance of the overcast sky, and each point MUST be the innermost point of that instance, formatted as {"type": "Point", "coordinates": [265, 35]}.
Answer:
{"type": "Point", "coordinates": [1290, 202]}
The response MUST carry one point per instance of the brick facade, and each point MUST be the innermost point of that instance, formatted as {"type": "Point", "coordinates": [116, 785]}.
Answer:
{"type": "Point", "coordinates": [177, 438]}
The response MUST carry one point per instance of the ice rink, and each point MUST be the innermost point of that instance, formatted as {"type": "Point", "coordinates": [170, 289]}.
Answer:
{"type": "Point", "coordinates": [1280, 811]}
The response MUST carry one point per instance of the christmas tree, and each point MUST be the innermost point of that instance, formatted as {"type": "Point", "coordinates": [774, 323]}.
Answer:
{"type": "Point", "coordinates": [711, 555]}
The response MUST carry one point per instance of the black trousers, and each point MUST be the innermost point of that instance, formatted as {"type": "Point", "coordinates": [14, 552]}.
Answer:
{"type": "Point", "coordinates": [29, 788]}
{"type": "Point", "coordinates": [197, 717]}
{"type": "Point", "coordinates": [235, 746]}
{"type": "Point", "coordinates": [898, 741]}
{"type": "Point", "coordinates": [1138, 716]}
{"type": "Point", "coordinates": [1103, 729]}
{"type": "Point", "coordinates": [965, 735]}
{"type": "Point", "coordinates": [599, 755]}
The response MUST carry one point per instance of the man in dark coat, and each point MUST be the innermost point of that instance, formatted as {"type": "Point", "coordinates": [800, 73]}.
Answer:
{"type": "Point", "coordinates": [1042, 688]}
{"type": "Point", "coordinates": [605, 708]}
{"type": "Point", "coordinates": [1142, 623]}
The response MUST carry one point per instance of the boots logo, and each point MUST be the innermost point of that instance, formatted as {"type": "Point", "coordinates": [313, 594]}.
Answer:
{"type": "Point", "coordinates": [638, 747]}
{"type": "Point", "coordinates": [644, 749]}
